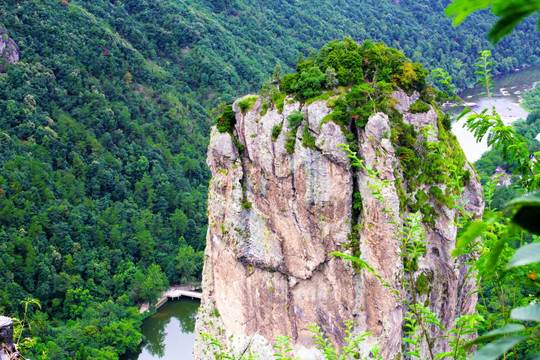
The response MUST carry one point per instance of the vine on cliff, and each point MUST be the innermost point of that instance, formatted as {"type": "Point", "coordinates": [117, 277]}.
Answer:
{"type": "Point", "coordinates": [418, 316]}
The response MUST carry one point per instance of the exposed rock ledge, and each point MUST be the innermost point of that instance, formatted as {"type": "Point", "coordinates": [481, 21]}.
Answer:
{"type": "Point", "coordinates": [274, 217]}
{"type": "Point", "coordinates": [7, 348]}
{"type": "Point", "coordinates": [9, 50]}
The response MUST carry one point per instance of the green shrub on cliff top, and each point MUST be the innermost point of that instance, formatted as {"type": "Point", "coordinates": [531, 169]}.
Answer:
{"type": "Point", "coordinates": [227, 120]}
{"type": "Point", "coordinates": [349, 64]}
{"type": "Point", "coordinates": [246, 104]}
{"type": "Point", "coordinates": [310, 83]}
{"type": "Point", "coordinates": [295, 119]}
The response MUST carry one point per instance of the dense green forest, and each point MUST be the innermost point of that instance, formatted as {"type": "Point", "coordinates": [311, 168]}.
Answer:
{"type": "Point", "coordinates": [104, 125]}
{"type": "Point", "coordinates": [182, 37]}
{"type": "Point", "coordinates": [103, 181]}
{"type": "Point", "coordinates": [531, 99]}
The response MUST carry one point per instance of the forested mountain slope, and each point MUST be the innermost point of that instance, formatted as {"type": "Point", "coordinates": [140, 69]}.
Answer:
{"type": "Point", "coordinates": [101, 176]}
{"type": "Point", "coordinates": [104, 125]}
{"type": "Point", "coordinates": [223, 47]}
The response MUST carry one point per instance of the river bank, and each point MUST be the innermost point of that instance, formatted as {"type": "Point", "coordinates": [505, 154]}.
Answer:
{"type": "Point", "coordinates": [507, 100]}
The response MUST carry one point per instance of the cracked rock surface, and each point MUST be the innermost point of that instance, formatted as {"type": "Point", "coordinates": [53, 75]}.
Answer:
{"type": "Point", "coordinates": [274, 218]}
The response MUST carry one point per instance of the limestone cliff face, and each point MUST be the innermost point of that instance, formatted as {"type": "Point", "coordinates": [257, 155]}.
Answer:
{"type": "Point", "coordinates": [9, 51]}
{"type": "Point", "coordinates": [275, 216]}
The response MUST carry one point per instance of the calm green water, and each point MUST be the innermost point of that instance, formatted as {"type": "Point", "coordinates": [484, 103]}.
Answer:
{"type": "Point", "coordinates": [169, 332]}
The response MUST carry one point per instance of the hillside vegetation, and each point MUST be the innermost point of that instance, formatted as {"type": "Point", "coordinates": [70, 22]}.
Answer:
{"type": "Point", "coordinates": [104, 125]}
{"type": "Point", "coordinates": [225, 48]}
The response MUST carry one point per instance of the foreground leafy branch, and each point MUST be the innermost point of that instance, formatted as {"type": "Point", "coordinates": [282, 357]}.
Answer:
{"type": "Point", "coordinates": [510, 13]}
{"type": "Point", "coordinates": [490, 237]}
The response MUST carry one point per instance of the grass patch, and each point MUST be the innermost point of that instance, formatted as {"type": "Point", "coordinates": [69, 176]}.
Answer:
{"type": "Point", "coordinates": [525, 107]}
{"type": "Point", "coordinates": [422, 284]}
{"type": "Point", "coordinates": [419, 107]}
{"type": "Point", "coordinates": [308, 140]}
{"type": "Point", "coordinates": [296, 118]}
{"type": "Point", "coordinates": [290, 142]}
{"type": "Point", "coordinates": [324, 96]}
{"type": "Point", "coordinates": [276, 130]}
{"type": "Point", "coordinates": [246, 204]}
{"type": "Point", "coordinates": [246, 104]}
{"type": "Point", "coordinates": [279, 101]}
{"type": "Point", "coordinates": [265, 107]}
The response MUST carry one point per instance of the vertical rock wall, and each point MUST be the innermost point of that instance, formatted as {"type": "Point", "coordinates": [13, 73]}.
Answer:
{"type": "Point", "coordinates": [275, 217]}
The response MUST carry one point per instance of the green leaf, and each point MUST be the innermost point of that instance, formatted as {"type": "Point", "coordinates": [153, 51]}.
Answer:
{"type": "Point", "coordinates": [525, 255]}
{"type": "Point", "coordinates": [496, 349]}
{"type": "Point", "coordinates": [526, 313]}
{"type": "Point", "coordinates": [505, 330]}
{"type": "Point", "coordinates": [473, 231]}
{"type": "Point", "coordinates": [505, 25]}
{"type": "Point", "coordinates": [508, 329]}
{"type": "Point", "coordinates": [511, 13]}
{"type": "Point", "coordinates": [460, 9]}
{"type": "Point", "coordinates": [410, 341]}
{"type": "Point", "coordinates": [355, 259]}
{"type": "Point", "coordinates": [465, 111]}
{"type": "Point", "coordinates": [528, 212]}
{"type": "Point", "coordinates": [497, 248]}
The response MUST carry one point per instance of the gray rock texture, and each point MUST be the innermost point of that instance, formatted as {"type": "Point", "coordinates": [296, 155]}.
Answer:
{"type": "Point", "coordinates": [9, 50]}
{"type": "Point", "coordinates": [274, 218]}
{"type": "Point", "coordinates": [7, 348]}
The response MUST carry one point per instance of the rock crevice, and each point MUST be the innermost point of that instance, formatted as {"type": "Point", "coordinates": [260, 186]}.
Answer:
{"type": "Point", "coordinates": [276, 216]}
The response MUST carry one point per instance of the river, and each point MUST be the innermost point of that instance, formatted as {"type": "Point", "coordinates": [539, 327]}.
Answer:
{"type": "Point", "coordinates": [169, 332]}
{"type": "Point", "coordinates": [506, 99]}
